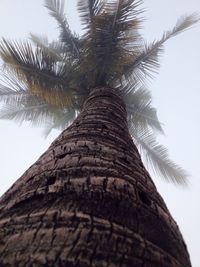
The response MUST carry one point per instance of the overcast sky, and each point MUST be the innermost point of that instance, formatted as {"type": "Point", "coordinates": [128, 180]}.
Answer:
{"type": "Point", "coordinates": [176, 94]}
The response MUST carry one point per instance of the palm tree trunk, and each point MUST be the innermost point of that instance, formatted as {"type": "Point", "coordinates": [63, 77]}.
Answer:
{"type": "Point", "coordinates": [88, 200]}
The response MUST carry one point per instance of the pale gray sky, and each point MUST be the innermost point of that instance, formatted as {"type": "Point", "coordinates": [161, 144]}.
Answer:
{"type": "Point", "coordinates": [176, 94]}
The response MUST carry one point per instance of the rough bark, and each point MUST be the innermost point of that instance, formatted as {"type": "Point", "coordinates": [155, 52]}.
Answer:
{"type": "Point", "coordinates": [88, 201]}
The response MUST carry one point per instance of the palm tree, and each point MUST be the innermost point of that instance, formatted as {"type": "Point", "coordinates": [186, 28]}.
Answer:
{"type": "Point", "coordinates": [88, 200]}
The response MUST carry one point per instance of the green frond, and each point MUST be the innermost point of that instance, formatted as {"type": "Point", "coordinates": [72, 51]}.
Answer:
{"type": "Point", "coordinates": [147, 61]}
{"type": "Point", "coordinates": [156, 156]}
{"type": "Point", "coordinates": [56, 8]}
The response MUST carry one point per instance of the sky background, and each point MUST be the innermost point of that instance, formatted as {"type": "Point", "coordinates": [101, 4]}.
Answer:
{"type": "Point", "coordinates": [176, 94]}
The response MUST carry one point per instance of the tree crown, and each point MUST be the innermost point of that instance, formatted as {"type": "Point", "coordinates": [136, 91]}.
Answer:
{"type": "Point", "coordinates": [47, 82]}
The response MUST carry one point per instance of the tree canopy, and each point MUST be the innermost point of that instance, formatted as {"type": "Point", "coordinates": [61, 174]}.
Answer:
{"type": "Point", "coordinates": [46, 82]}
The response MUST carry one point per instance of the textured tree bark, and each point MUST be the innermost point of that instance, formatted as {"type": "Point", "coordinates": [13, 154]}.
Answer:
{"type": "Point", "coordinates": [88, 201]}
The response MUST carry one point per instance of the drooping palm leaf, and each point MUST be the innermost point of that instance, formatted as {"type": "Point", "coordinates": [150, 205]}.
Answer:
{"type": "Point", "coordinates": [156, 156]}
{"type": "Point", "coordinates": [7, 94]}
{"type": "Point", "coordinates": [144, 116]}
{"type": "Point", "coordinates": [31, 109]}
{"type": "Point", "coordinates": [20, 113]}
{"type": "Point", "coordinates": [61, 121]}
{"type": "Point", "coordinates": [10, 92]}
{"type": "Point", "coordinates": [140, 111]}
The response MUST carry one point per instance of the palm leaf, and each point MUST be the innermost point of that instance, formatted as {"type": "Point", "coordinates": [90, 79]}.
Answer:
{"type": "Point", "coordinates": [156, 156]}
{"type": "Point", "coordinates": [140, 111]}
{"type": "Point", "coordinates": [147, 62]}
{"type": "Point", "coordinates": [60, 121]}
{"type": "Point", "coordinates": [41, 73]}
{"type": "Point", "coordinates": [112, 30]}
{"type": "Point", "coordinates": [12, 91]}
{"type": "Point", "coordinates": [121, 38]}
{"type": "Point", "coordinates": [21, 106]}
{"type": "Point", "coordinates": [9, 95]}
{"type": "Point", "coordinates": [54, 49]}
{"type": "Point", "coordinates": [48, 84]}
{"type": "Point", "coordinates": [88, 9]}
{"type": "Point", "coordinates": [56, 8]}
{"type": "Point", "coordinates": [31, 109]}
{"type": "Point", "coordinates": [23, 113]}
{"type": "Point", "coordinates": [144, 116]}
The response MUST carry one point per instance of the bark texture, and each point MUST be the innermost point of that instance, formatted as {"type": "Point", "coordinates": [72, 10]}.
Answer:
{"type": "Point", "coordinates": [89, 202]}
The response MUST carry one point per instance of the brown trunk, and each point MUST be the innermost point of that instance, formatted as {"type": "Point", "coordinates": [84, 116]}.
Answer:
{"type": "Point", "coordinates": [88, 201]}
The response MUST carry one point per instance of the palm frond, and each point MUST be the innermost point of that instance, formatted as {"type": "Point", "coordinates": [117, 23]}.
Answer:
{"type": "Point", "coordinates": [88, 9]}
{"type": "Point", "coordinates": [20, 106]}
{"type": "Point", "coordinates": [56, 8]}
{"type": "Point", "coordinates": [121, 37]}
{"type": "Point", "coordinates": [53, 49]}
{"type": "Point", "coordinates": [111, 37]}
{"type": "Point", "coordinates": [140, 92]}
{"type": "Point", "coordinates": [42, 75]}
{"type": "Point", "coordinates": [47, 84]}
{"type": "Point", "coordinates": [32, 109]}
{"type": "Point", "coordinates": [144, 117]}
{"type": "Point", "coordinates": [140, 112]}
{"type": "Point", "coordinates": [7, 93]}
{"type": "Point", "coordinates": [147, 61]}
{"type": "Point", "coordinates": [156, 156]}
{"type": "Point", "coordinates": [60, 121]}
{"type": "Point", "coordinates": [21, 113]}
{"type": "Point", "coordinates": [11, 94]}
